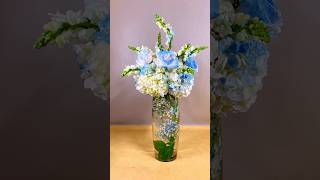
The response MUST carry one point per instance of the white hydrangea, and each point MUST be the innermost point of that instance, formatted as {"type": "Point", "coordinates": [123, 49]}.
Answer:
{"type": "Point", "coordinates": [94, 66]}
{"type": "Point", "coordinates": [153, 85]}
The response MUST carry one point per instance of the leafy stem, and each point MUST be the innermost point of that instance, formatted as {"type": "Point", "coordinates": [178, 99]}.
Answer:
{"type": "Point", "coordinates": [49, 36]}
{"type": "Point", "coordinates": [167, 29]}
{"type": "Point", "coordinates": [165, 150]}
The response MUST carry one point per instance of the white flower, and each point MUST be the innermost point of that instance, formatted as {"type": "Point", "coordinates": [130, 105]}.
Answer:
{"type": "Point", "coordinates": [144, 56]}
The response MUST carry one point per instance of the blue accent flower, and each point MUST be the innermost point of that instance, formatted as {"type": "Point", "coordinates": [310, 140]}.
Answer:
{"type": "Point", "coordinates": [186, 79]}
{"type": "Point", "coordinates": [237, 87]}
{"type": "Point", "coordinates": [266, 10]}
{"type": "Point", "coordinates": [190, 62]}
{"type": "Point", "coordinates": [104, 26]}
{"type": "Point", "coordinates": [144, 70]}
{"type": "Point", "coordinates": [168, 129]}
{"type": "Point", "coordinates": [214, 8]}
{"type": "Point", "coordinates": [144, 56]}
{"type": "Point", "coordinates": [233, 62]}
{"type": "Point", "coordinates": [167, 59]}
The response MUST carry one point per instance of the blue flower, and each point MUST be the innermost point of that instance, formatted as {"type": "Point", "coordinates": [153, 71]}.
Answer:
{"type": "Point", "coordinates": [168, 129]}
{"type": "Point", "coordinates": [254, 50]}
{"type": "Point", "coordinates": [190, 62]}
{"type": "Point", "coordinates": [167, 59]}
{"type": "Point", "coordinates": [266, 10]}
{"type": "Point", "coordinates": [104, 26]}
{"type": "Point", "coordinates": [223, 80]}
{"type": "Point", "coordinates": [224, 44]}
{"type": "Point", "coordinates": [186, 79]}
{"type": "Point", "coordinates": [144, 70]}
{"type": "Point", "coordinates": [233, 62]}
{"type": "Point", "coordinates": [214, 8]}
{"type": "Point", "coordinates": [144, 56]}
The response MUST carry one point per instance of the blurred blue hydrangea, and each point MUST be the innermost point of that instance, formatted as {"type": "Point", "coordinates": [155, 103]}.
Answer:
{"type": "Point", "coordinates": [266, 10]}
{"type": "Point", "coordinates": [239, 73]}
{"type": "Point", "coordinates": [214, 8]}
{"type": "Point", "coordinates": [168, 129]}
{"type": "Point", "coordinates": [104, 25]}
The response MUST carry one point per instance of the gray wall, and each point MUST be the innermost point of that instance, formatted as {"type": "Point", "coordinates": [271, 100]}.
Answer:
{"type": "Point", "coordinates": [50, 126]}
{"type": "Point", "coordinates": [278, 139]}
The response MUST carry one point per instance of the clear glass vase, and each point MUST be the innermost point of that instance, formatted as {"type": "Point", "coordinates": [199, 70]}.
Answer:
{"type": "Point", "coordinates": [165, 127]}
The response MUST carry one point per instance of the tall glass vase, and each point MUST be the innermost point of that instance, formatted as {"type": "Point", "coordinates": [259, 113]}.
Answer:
{"type": "Point", "coordinates": [165, 127]}
{"type": "Point", "coordinates": [216, 146]}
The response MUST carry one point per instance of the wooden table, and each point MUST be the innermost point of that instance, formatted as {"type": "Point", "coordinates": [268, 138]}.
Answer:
{"type": "Point", "coordinates": [132, 154]}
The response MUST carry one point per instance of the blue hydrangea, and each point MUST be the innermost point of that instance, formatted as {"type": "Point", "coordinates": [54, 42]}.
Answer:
{"type": "Point", "coordinates": [167, 59]}
{"type": "Point", "coordinates": [233, 62]}
{"type": "Point", "coordinates": [214, 8]}
{"type": "Point", "coordinates": [186, 79]}
{"type": "Point", "coordinates": [266, 10]}
{"type": "Point", "coordinates": [190, 62]}
{"type": "Point", "coordinates": [144, 70]}
{"type": "Point", "coordinates": [103, 34]}
{"type": "Point", "coordinates": [167, 129]}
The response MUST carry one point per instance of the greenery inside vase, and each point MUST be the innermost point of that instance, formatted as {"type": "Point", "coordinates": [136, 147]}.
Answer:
{"type": "Point", "coordinates": [165, 127]}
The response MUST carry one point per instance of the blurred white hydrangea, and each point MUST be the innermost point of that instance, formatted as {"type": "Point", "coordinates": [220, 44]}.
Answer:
{"type": "Point", "coordinates": [88, 32]}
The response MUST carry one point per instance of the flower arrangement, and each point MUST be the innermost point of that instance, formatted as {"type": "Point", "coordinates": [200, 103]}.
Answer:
{"type": "Point", "coordinates": [88, 33]}
{"type": "Point", "coordinates": [240, 32]}
{"type": "Point", "coordinates": [164, 72]}
{"type": "Point", "coordinates": [165, 75]}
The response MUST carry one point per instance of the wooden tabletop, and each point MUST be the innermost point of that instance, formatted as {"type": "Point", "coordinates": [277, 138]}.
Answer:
{"type": "Point", "coordinates": [132, 154]}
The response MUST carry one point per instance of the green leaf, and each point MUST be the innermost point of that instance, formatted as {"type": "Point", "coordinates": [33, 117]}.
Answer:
{"type": "Point", "coordinates": [136, 49]}
{"type": "Point", "coordinates": [161, 147]}
{"type": "Point", "coordinates": [159, 45]}
{"type": "Point", "coordinates": [186, 70]}
{"type": "Point", "coordinates": [197, 50]}
{"type": "Point", "coordinates": [236, 28]}
{"type": "Point", "coordinates": [183, 50]}
{"type": "Point", "coordinates": [170, 147]}
{"type": "Point", "coordinates": [50, 36]}
{"type": "Point", "coordinates": [257, 28]}
{"type": "Point", "coordinates": [129, 70]}
{"type": "Point", "coordinates": [165, 150]}
{"type": "Point", "coordinates": [167, 29]}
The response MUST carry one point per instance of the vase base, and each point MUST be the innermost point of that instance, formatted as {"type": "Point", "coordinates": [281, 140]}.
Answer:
{"type": "Point", "coordinates": [167, 160]}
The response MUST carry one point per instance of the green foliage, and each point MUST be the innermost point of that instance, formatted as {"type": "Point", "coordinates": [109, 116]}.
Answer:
{"type": "Point", "coordinates": [236, 28]}
{"type": "Point", "coordinates": [130, 70]}
{"type": "Point", "coordinates": [197, 50]}
{"type": "Point", "coordinates": [257, 28]}
{"type": "Point", "coordinates": [165, 150]}
{"type": "Point", "coordinates": [159, 45]}
{"type": "Point", "coordinates": [136, 49]}
{"type": "Point", "coordinates": [186, 70]}
{"type": "Point", "coordinates": [50, 36]}
{"type": "Point", "coordinates": [166, 28]}
{"type": "Point", "coordinates": [187, 50]}
{"type": "Point", "coordinates": [183, 50]}
{"type": "Point", "coordinates": [236, 4]}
